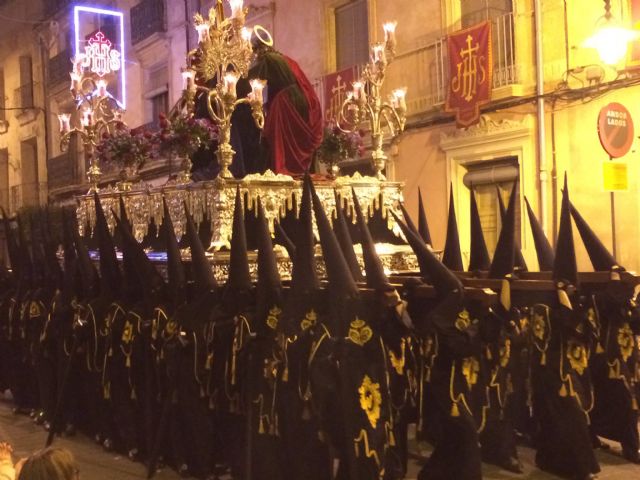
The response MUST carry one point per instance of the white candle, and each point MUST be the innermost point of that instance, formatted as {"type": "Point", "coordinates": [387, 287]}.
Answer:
{"type": "Point", "coordinates": [257, 88]}
{"type": "Point", "coordinates": [390, 33]}
{"type": "Point", "coordinates": [78, 63]}
{"type": "Point", "coordinates": [246, 34]}
{"type": "Point", "coordinates": [377, 52]}
{"type": "Point", "coordinates": [65, 122]}
{"type": "Point", "coordinates": [229, 86]}
{"type": "Point", "coordinates": [75, 80]}
{"type": "Point", "coordinates": [399, 101]}
{"type": "Point", "coordinates": [358, 90]}
{"type": "Point", "coordinates": [203, 32]}
{"type": "Point", "coordinates": [87, 118]}
{"type": "Point", "coordinates": [188, 80]}
{"type": "Point", "coordinates": [101, 88]}
{"type": "Point", "coordinates": [236, 8]}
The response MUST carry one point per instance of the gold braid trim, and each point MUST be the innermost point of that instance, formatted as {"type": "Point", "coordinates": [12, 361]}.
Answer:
{"type": "Point", "coordinates": [363, 437]}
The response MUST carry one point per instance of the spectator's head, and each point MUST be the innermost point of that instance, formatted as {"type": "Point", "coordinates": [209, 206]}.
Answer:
{"type": "Point", "coordinates": [50, 464]}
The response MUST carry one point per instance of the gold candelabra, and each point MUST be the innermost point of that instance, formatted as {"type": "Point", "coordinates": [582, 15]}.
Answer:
{"type": "Point", "coordinates": [364, 102]}
{"type": "Point", "coordinates": [223, 56]}
{"type": "Point", "coordinates": [98, 112]}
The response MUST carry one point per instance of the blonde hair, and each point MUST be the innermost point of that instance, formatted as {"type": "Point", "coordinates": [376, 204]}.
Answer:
{"type": "Point", "coordinates": [49, 464]}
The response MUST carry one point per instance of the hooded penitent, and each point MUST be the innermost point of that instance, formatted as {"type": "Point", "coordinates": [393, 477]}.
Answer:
{"type": "Point", "coordinates": [239, 279]}
{"type": "Point", "coordinates": [177, 280]}
{"type": "Point", "coordinates": [110, 277]}
{"type": "Point", "coordinates": [451, 257]}
{"type": "Point", "coordinates": [520, 264]}
{"type": "Point", "coordinates": [423, 226]}
{"type": "Point", "coordinates": [281, 238]}
{"type": "Point", "coordinates": [544, 252]}
{"type": "Point", "coordinates": [341, 230]}
{"type": "Point", "coordinates": [479, 256]}
{"type": "Point", "coordinates": [600, 257]}
{"type": "Point", "coordinates": [504, 256]}
{"type": "Point", "coordinates": [564, 267]}
{"type": "Point", "coordinates": [203, 278]}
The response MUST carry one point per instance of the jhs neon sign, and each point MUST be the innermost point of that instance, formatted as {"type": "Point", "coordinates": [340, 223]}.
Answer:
{"type": "Point", "coordinates": [100, 58]}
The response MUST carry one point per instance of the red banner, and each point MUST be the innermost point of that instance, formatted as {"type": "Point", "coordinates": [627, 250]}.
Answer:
{"type": "Point", "coordinates": [470, 68]}
{"type": "Point", "coordinates": [335, 88]}
{"type": "Point", "coordinates": [633, 56]}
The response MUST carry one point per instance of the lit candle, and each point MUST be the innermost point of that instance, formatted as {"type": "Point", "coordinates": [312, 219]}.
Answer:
{"type": "Point", "coordinates": [358, 90]}
{"type": "Point", "coordinates": [246, 34]}
{"type": "Point", "coordinates": [229, 86]}
{"type": "Point", "coordinates": [188, 80]}
{"type": "Point", "coordinates": [257, 87]}
{"type": "Point", "coordinates": [236, 8]}
{"type": "Point", "coordinates": [101, 88]}
{"type": "Point", "coordinates": [203, 32]}
{"type": "Point", "coordinates": [75, 80]}
{"type": "Point", "coordinates": [399, 101]}
{"type": "Point", "coordinates": [377, 51]}
{"type": "Point", "coordinates": [87, 118]}
{"type": "Point", "coordinates": [65, 122]}
{"type": "Point", "coordinates": [390, 33]}
{"type": "Point", "coordinates": [78, 63]}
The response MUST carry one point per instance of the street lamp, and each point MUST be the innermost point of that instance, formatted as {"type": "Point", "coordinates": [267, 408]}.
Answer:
{"type": "Point", "coordinates": [610, 38]}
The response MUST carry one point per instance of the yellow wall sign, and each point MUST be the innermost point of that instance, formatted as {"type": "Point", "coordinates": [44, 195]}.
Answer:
{"type": "Point", "coordinates": [615, 176]}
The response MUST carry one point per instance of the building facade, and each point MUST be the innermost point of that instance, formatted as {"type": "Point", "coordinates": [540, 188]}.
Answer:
{"type": "Point", "coordinates": [539, 124]}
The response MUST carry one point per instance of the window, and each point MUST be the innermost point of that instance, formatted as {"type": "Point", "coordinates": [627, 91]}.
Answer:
{"type": "Point", "coordinates": [29, 170]}
{"type": "Point", "coordinates": [352, 34]}
{"type": "Point", "coordinates": [26, 82]}
{"type": "Point", "coordinates": [473, 12]}
{"type": "Point", "coordinates": [157, 88]}
{"type": "Point", "coordinates": [159, 104]}
{"type": "Point", "coordinates": [4, 178]}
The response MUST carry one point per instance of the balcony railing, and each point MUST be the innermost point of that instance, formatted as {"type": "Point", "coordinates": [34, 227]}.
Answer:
{"type": "Point", "coordinates": [59, 67]}
{"type": "Point", "coordinates": [23, 96]}
{"type": "Point", "coordinates": [28, 194]}
{"type": "Point", "coordinates": [425, 70]}
{"type": "Point", "coordinates": [147, 18]}
{"type": "Point", "coordinates": [61, 171]}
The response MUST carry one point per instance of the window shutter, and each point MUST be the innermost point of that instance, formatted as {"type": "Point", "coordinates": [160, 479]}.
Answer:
{"type": "Point", "coordinates": [26, 82]}
{"type": "Point", "coordinates": [352, 34]}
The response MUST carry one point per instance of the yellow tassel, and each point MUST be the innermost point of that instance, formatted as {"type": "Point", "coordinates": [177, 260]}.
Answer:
{"type": "Point", "coordinates": [306, 412]}
{"type": "Point", "coordinates": [110, 354]}
{"type": "Point", "coordinates": [285, 374]}
{"type": "Point", "coordinates": [543, 358]}
{"type": "Point", "coordinates": [392, 439]}
{"type": "Point", "coordinates": [599, 348]}
{"type": "Point", "coordinates": [634, 402]}
{"type": "Point", "coordinates": [202, 392]}
{"type": "Point", "coordinates": [209, 362]}
{"type": "Point", "coordinates": [563, 390]}
{"type": "Point", "coordinates": [454, 410]}
{"type": "Point", "coordinates": [162, 354]}
{"type": "Point", "coordinates": [133, 394]}
{"type": "Point", "coordinates": [106, 391]}
{"type": "Point", "coordinates": [488, 354]}
{"type": "Point", "coordinates": [261, 427]}
{"type": "Point", "coordinates": [612, 372]}
{"type": "Point", "coordinates": [128, 361]}
{"type": "Point", "coordinates": [211, 403]}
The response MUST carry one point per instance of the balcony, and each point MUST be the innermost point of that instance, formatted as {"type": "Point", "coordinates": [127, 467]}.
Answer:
{"type": "Point", "coordinates": [61, 171]}
{"type": "Point", "coordinates": [59, 68]}
{"type": "Point", "coordinates": [147, 18]}
{"type": "Point", "coordinates": [425, 70]}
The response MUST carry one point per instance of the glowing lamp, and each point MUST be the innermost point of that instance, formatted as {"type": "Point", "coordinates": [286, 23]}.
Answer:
{"type": "Point", "coordinates": [246, 34]}
{"type": "Point", "coordinates": [377, 52]}
{"type": "Point", "coordinates": [188, 80]}
{"type": "Point", "coordinates": [257, 87]}
{"type": "Point", "coordinates": [390, 32]}
{"type": "Point", "coordinates": [398, 98]}
{"type": "Point", "coordinates": [610, 38]}
{"type": "Point", "coordinates": [358, 91]}
{"type": "Point", "coordinates": [230, 81]}
{"type": "Point", "coordinates": [203, 32]}
{"type": "Point", "coordinates": [87, 118]}
{"type": "Point", "coordinates": [101, 88]}
{"type": "Point", "coordinates": [236, 8]}
{"type": "Point", "coordinates": [75, 80]}
{"type": "Point", "coordinates": [65, 122]}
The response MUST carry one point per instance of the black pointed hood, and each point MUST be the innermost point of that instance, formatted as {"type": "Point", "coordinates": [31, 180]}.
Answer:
{"type": "Point", "coordinates": [376, 277]}
{"type": "Point", "coordinates": [423, 225]}
{"type": "Point", "coordinates": [88, 273]}
{"type": "Point", "coordinates": [177, 279]}
{"type": "Point", "coordinates": [438, 275]}
{"type": "Point", "coordinates": [564, 267]}
{"type": "Point", "coordinates": [26, 263]}
{"type": "Point", "coordinates": [341, 230]}
{"type": "Point", "coordinates": [544, 252]}
{"type": "Point", "coordinates": [204, 280]}
{"type": "Point", "coordinates": [123, 212]}
{"type": "Point", "coordinates": [600, 257]}
{"type": "Point", "coordinates": [451, 256]}
{"type": "Point", "coordinates": [504, 256]}
{"type": "Point", "coordinates": [304, 276]}
{"type": "Point", "coordinates": [239, 275]}
{"type": "Point", "coordinates": [110, 277]}
{"type": "Point", "coordinates": [519, 262]}
{"type": "Point", "coordinates": [407, 219]}
{"type": "Point", "coordinates": [269, 288]}
{"type": "Point", "coordinates": [479, 255]}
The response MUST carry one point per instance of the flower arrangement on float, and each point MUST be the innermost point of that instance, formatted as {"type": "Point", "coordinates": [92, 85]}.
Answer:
{"type": "Point", "coordinates": [339, 145]}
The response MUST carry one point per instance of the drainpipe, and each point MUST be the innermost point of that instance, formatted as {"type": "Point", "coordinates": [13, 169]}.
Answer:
{"type": "Point", "coordinates": [542, 154]}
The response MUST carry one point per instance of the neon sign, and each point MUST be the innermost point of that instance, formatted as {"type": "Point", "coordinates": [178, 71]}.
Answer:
{"type": "Point", "coordinates": [100, 54]}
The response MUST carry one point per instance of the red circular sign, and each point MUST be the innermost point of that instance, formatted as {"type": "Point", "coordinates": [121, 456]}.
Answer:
{"type": "Point", "coordinates": [615, 129]}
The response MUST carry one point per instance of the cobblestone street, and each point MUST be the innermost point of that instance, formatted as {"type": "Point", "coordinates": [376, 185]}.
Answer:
{"type": "Point", "coordinates": [96, 464]}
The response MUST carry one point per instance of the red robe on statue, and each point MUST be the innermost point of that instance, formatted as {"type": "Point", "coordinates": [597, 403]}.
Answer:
{"type": "Point", "coordinates": [292, 139]}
